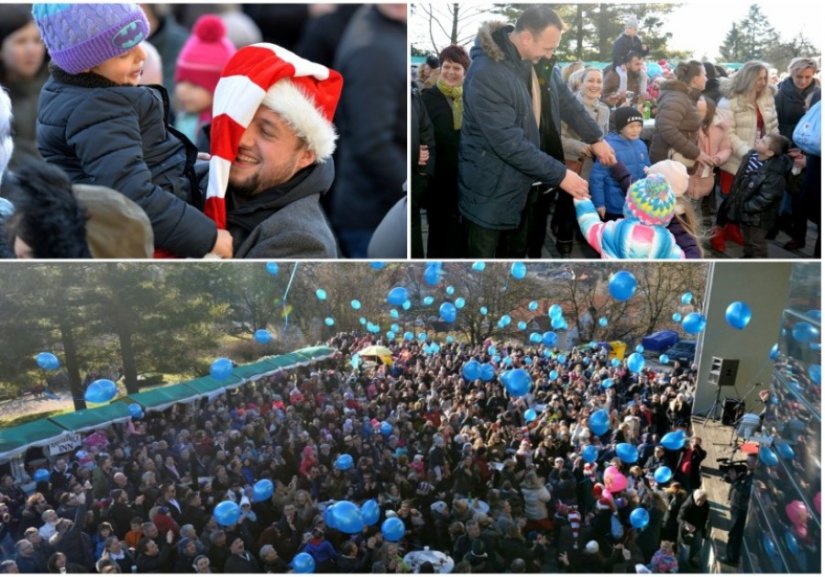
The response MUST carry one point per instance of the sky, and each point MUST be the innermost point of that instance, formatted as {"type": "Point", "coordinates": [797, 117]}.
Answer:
{"type": "Point", "coordinates": [700, 26]}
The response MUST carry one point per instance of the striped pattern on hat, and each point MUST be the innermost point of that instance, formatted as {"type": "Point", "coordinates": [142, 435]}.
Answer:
{"type": "Point", "coordinates": [303, 93]}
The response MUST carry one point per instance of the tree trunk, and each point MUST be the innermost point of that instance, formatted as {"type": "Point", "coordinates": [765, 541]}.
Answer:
{"type": "Point", "coordinates": [579, 31]}
{"type": "Point", "coordinates": [72, 368]}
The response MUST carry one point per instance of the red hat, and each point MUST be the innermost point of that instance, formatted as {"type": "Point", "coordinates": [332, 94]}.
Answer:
{"type": "Point", "coordinates": [205, 53]}
{"type": "Point", "coordinates": [303, 93]}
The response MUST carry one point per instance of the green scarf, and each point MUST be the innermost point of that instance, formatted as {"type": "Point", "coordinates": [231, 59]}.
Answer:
{"type": "Point", "coordinates": [453, 95]}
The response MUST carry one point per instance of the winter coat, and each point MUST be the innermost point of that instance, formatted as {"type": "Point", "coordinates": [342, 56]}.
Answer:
{"type": "Point", "coordinates": [119, 136]}
{"type": "Point", "coordinates": [443, 187]}
{"type": "Point", "coordinates": [499, 156]}
{"type": "Point", "coordinates": [696, 515]}
{"type": "Point", "coordinates": [573, 146]}
{"type": "Point", "coordinates": [755, 197]}
{"type": "Point", "coordinates": [625, 44]}
{"type": "Point", "coordinates": [371, 119]}
{"type": "Point", "coordinates": [714, 142]}
{"type": "Point", "coordinates": [604, 189]}
{"type": "Point", "coordinates": [535, 502]}
{"type": "Point", "coordinates": [740, 112]}
{"type": "Point", "coordinates": [238, 564]}
{"type": "Point", "coordinates": [685, 240]}
{"type": "Point", "coordinates": [790, 104]}
{"type": "Point", "coordinates": [677, 122]}
{"type": "Point", "coordinates": [285, 221]}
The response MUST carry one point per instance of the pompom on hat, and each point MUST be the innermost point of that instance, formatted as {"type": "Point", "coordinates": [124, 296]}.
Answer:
{"type": "Point", "coordinates": [205, 53]}
{"type": "Point", "coordinates": [675, 172]}
{"type": "Point", "coordinates": [82, 36]}
{"type": "Point", "coordinates": [303, 93]}
{"type": "Point", "coordinates": [650, 200]}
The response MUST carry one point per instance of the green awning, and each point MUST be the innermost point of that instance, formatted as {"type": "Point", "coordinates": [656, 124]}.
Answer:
{"type": "Point", "coordinates": [96, 418]}
{"type": "Point", "coordinates": [15, 440]}
{"type": "Point", "coordinates": [161, 398]}
{"type": "Point", "coordinates": [207, 385]}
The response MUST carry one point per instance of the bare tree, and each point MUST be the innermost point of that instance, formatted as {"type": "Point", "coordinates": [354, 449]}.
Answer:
{"type": "Point", "coordinates": [453, 21]}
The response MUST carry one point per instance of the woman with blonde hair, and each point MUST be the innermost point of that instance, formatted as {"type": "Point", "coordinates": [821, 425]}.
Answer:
{"type": "Point", "coordinates": [577, 154]}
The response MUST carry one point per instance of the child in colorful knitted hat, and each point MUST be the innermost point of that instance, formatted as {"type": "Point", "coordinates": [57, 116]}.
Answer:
{"type": "Point", "coordinates": [642, 233]}
{"type": "Point", "coordinates": [96, 123]}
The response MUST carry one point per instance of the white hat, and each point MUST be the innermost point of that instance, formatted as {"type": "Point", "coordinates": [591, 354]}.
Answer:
{"type": "Point", "coordinates": [592, 547]}
{"type": "Point", "coordinates": [631, 22]}
{"type": "Point", "coordinates": [674, 172]}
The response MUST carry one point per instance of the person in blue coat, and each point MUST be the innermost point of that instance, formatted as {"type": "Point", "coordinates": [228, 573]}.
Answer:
{"type": "Point", "coordinates": [500, 158]}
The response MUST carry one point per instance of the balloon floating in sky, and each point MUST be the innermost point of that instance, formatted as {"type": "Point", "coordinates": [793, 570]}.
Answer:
{"type": "Point", "coordinates": [636, 362]}
{"type": "Point", "coordinates": [432, 274]}
{"type": "Point", "coordinates": [321, 294]}
{"type": "Point", "coordinates": [622, 285]}
{"type": "Point", "coordinates": [272, 268]}
{"type": "Point", "coordinates": [518, 270]}
{"type": "Point", "coordinates": [397, 296]}
{"type": "Point", "coordinates": [263, 336]}
{"type": "Point", "coordinates": [100, 391]}
{"type": "Point", "coordinates": [221, 369]}
{"type": "Point", "coordinates": [664, 359]}
{"type": "Point", "coordinates": [686, 298]}
{"type": "Point", "coordinates": [603, 322]}
{"type": "Point", "coordinates": [47, 361]}
{"type": "Point", "coordinates": [479, 265]}
{"type": "Point", "coordinates": [355, 304]}
{"type": "Point", "coordinates": [774, 354]}
{"type": "Point", "coordinates": [694, 323]}
{"type": "Point", "coordinates": [738, 314]}
{"type": "Point", "coordinates": [483, 311]}
{"type": "Point", "coordinates": [329, 321]}
{"type": "Point", "coordinates": [522, 326]}
{"type": "Point", "coordinates": [428, 300]}
{"type": "Point", "coordinates": [459, 303]}
{"type": "Point", "coordinates": [447, 312]}
{"type": "Point", "coordinates": [533, 306]}
{"type": "Point", "coordinates": [677, 317]}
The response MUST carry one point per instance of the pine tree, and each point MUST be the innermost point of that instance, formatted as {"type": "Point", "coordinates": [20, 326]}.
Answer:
{"type": "Point", "coordinates": [749, 39]}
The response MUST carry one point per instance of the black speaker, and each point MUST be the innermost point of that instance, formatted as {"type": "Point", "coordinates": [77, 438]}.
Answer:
{"type": "Point", "coordinates": [723, 372]}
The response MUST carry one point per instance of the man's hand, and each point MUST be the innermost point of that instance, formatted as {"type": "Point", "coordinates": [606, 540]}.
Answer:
{"type": "Point", "coordinates": [604, 152]}
{"type": "Point", "coordinates": [423, 155]}
{"type": "Point", "coordinates": [575, 186]}
{"type": "Point", "coordinates": [223, 246]}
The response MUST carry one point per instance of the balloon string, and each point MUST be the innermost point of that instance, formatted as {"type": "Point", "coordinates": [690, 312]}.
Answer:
{"type": "Point", "coordinates": [286, 293]}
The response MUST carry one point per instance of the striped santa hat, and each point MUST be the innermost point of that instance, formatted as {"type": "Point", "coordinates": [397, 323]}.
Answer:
{"type": "Point", "coordinates": [303, 93]}
{"type": "Point", "coordinates": [575, 520]}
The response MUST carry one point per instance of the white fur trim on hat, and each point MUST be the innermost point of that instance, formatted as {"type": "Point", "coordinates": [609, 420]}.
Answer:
{"type": "Point", "coordinates": [675, 172]}
{"type": "Point", "coordinates": [592, 547]}
{"type": "Point", "coordinates": [299, 111]}
{"type": "Point", "coordinates": [6, 142]}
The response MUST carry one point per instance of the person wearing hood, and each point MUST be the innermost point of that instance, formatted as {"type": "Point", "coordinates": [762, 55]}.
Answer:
{"type": "Point", "coordinates": [321, 550]}
{"type": "Point", "coordinates": [501, 161]}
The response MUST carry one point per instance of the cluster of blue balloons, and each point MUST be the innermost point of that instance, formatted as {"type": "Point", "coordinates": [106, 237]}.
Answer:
{"type": "Point", "coordinates": [431, 349]}
{"type": "Point", "coordinates": [47, 361]}
{"type": "Point", "coordinates": [221, 369]}
{"type": "Point", "coordinates": [100, 391]}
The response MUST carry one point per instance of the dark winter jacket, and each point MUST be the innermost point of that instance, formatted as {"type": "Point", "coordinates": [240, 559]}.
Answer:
{"type": "Point", "coordinates": [696, 515]}
{"type": "Point", "coordinates": [444, 185]}
{"type": "Point", "coordinates": [790, 104]}
{"type": "Point", "coordinates": [76, 545]}
{"type": "Point", "coordinates": [238, 564]}
{"type": "Point", "coordinates": [118, 136]}
{"type": "Point", "coordinates": [285, 221]}
{"type": "Point", "coordinates": [372, 120]}
{"type": "Point", "coordinates": [755, 197]}
{"type": "Point", "coordinates": [685, 240]}
{"type": "Point", "coordinates": [623, 45]}
{"type": "Point", "coordinates": [499, 156]}
{"type": "Point", "coordinates": [677, 122]}
{"type": "Point", "coordinates": [604, 189]}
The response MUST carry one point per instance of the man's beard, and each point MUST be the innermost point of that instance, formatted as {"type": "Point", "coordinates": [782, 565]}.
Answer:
{"type": "Point", "coordinates": [247, 188]}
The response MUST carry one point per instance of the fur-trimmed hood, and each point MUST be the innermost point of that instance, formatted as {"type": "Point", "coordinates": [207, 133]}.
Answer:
{"type": "Point", "coordinates": [489, 38]}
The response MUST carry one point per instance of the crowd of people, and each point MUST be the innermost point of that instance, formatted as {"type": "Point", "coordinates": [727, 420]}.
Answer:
{"type": "Point", "coordinates": [511, 138]}
{"type": "Point", "coordinates": [189, 159]}
{"type": "Point", "coordinates": [497, 482]}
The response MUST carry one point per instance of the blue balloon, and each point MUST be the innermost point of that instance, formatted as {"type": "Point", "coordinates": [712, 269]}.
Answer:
{"type": "Point", "coordinates": [422, 336]}
{"type": "Point", "coordinates": [518, 270]}
{"type": "Point", "coordinates": [488, 372]}
{"type": "Point", "coordinates": [386, 428]}
{"type": "Point", "coordinates": [377, 264]}
{"type": "Point", "coordinates": [507, 361]}
{"type": "Point", "coordinates": [590, 454]}
{"type": "Point", "coordinates": [47, 361]}
{"type": "Point", "coordinates": [303, 563]}
{"type": "Point", "coordinates": [362, 320]}
{"type": "Point", "coordinates": [562, 359]}
{"type": "Point", "coordinates": [674, 440]}
{"type": "Point", "coordinates": [344, 462]}
{"type": "Point", "coordinates": [791, 543]}
{"type": "Point", "coordinates": [41, 475]}
{"type": "Point", "coordinates": [664, 359]}
{"type": "Point", "coordinates": [394, 327]}
{"type": "Point", "coordinates": [815, 372]}
{"type": "Point", "coordinates": [615, 362]}
{"type": "Point", "coordinates": [505, 377]}
{"type": "Point", "coordinates": [491, 350]}
{"type": "Point", "coordinates": [347, 517]}
{"type": "Point", "coordinates": [768, 457]}
{"type": "Point", "coordinates": [479, 265]}
{"type": "Point", "coordinates": [394, 313]}
{"type": "Point", "coordinates": [321, 294]}
{"type": "Point", "coordinates": [427, 301]}
{"type": "Point", "coordinates": [221, 369]}
{"type": "Point", "coordinates": [694, 323]}
{"type": "Point", "coordinates": [636, 362]}
{"type": "Point", "coordinates": [397, 296]}
{"type": "Point", "coordinates": [663, 474]}
{"type": "Point", "coordinates": [135, 410]}
{"type": "Point", "coordinates": [554, 311]}
{"type": "Point", "coordinates": [522, 326]}
{"type": "Point", "coordinates": [639, 518]}
{"type": "Point", "coordinates": [535, 338]}
{"type": "Point", "coordinates": [505, 320]}
{"type": "Point", "coordinates": [804, 332]}
{"type": "Point", "coordinates": [530, 415]}
{"type": "Point", "coordinates": [814, 314]}
{"type": "Point", "coordinates": [447, 312]}
{"type": "Point", "coordinates": [519, 383]}
{"type": "Point", "coordinates": [272, 268]}
{"type": "Point", "coordinates": [471, 370]}
{"type": "Point", "coordinates": [460, 302]}
{"type": "Point", "coordinates": [769, 545]}
{"type": "Point", "coordinates": [370, 511]}
{"type": "Point", "coordinates": [774, 354]}
{"type": "Point", "coordinates": [622, 285]}
{"type": "Point", "coordinates": [550, 339]}
{"type": "Point", "coordinates": [599, 422]}
{"type": "Point", "coordinates": [554, 374]}
{"type": "Point", "coordinates": [603, 322]}
{"type": "Point", "coordinates": [686, 298]}
{"type": "Point", "coordinates": [393, 529]}
{"type": "Point", "coordinates": [263, 336]}
{"type": "Point", "coordinates": [527, 361]}
{"type": "Point", "coordinates": [738, 314]}
{"type": "Point", "coordinates": [329, 321]}
{"type": "Point", "coordinates": [100, 391]}
{"type": "Point", "coordinates": [390, 335]}
{"type": "Point", "coordinates": [356, 304]}
{"type": "Point", "coordinates": [557, 323]}
{"type": "Point", "coordinates": [640, 349]}
{"type": "Point", "coordinates": [432, 274]}
{"type": "Point", "coordinates": [677, 317]}
{"type": "Point", "coordinates": [408, 336]}
{"type": "Point", "coordinates": [483, 311]}
{"type": "Point", "coordinates": [785, 450]}
{"type": "Point", "coordinates": [533, 306]}
{"type": "Point", "coordinates": [262, 490]}
{"type": "Point", "coordinates": [450, 339]}
{"type": "Point", "coordinates": [607, 383]}
{"type": "Point", "coordinates": [406, 305]}
{"type": "Point", "coordinates": [627, 453]}
{"type": "Point", "coordinates": [450, 290]}
{"type": "Point", "coordinates": [227, 513]}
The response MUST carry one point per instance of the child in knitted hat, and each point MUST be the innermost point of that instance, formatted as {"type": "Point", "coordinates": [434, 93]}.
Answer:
{"type": "Point", "coordinates": [642, 233]}
{"type": "Point", "coordinates": [684, 226]}
{"type": "Point", "coordinates": [197, 72]}
{"type": "Point", "coordinates": [101, 127]}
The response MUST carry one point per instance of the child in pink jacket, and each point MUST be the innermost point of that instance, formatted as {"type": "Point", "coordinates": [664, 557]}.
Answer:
{"type": "Point", "coordinates": [713, 141]}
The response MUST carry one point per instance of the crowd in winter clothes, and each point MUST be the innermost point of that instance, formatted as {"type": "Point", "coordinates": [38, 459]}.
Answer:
{"type": "Point", "coordinates": [468, 469]}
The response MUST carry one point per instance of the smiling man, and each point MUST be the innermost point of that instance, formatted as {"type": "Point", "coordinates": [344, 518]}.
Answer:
{"type": "Point", "coordinates": [272, 141]}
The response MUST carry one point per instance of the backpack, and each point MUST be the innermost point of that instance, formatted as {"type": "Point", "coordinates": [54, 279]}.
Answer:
{"type": "Point", "coordinates": [808, 132]}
